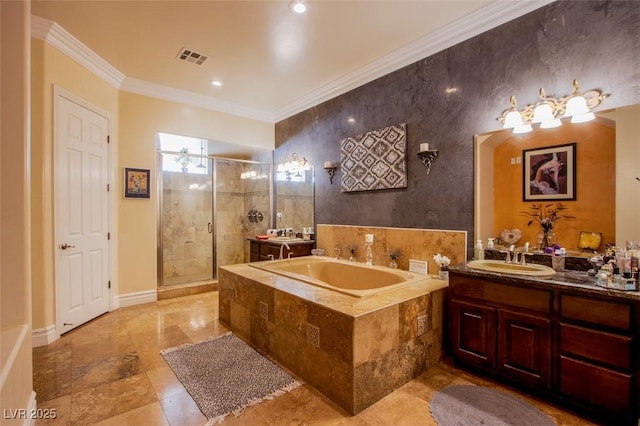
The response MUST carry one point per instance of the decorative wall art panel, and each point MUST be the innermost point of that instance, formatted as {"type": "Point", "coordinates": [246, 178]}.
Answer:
{"type": "Point", "coordinates": [374, 160]}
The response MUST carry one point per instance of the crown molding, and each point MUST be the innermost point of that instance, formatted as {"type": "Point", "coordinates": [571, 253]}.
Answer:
{"type": "Point", "coordinates": [159, 91]}
{"type": "Point", "coordinates": [58, 37]}
{"type": "Point", "coordinates": [483, 19]}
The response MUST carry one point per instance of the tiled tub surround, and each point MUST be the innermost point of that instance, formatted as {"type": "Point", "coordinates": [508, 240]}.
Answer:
{"type": "Point", "coordinates": [355, 350]}
{"type": "Point", "coordinates": [420, 244]}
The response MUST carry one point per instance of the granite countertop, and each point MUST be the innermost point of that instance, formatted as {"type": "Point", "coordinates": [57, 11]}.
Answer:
{"type": "Point", "coordinates": [276, 241]}
{"type": "Point", "coordinates": [567, 279]}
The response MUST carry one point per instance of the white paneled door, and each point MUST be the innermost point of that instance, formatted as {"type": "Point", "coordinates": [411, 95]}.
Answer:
{"type": "Point", "coordinates": [81, 213]}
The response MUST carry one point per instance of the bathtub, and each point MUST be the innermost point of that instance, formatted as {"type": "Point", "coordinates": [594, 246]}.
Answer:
{"type": "Point", "coordinates": [355, 279]}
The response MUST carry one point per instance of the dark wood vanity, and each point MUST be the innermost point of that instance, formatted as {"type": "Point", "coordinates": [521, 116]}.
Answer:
{"type": "Point", "coordinates": [561, 337]}
{"type": "Point", "coordinates": [263, 249]}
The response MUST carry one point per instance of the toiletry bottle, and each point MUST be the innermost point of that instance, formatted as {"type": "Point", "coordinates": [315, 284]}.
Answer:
{"type": "Point", "coordinates": [478, 253]}
{"type": "Point", "coordinates": [490, 244]}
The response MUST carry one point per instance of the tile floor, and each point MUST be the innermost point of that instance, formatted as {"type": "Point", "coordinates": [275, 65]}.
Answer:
{"type": "Point", "coordinates": [110, 372]}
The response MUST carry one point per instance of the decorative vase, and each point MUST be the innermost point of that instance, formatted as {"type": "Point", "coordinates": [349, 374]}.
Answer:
{"type": "Point", "coordinates": [352, 258]}
{"type": "Point", "coordinates": [546, 239]}
{"type": "Point", "coordinates": [444, 273]}
{"type": "Point", "coordinates": [393, 264]}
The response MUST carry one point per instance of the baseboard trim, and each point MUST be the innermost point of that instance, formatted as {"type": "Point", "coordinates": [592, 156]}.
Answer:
{"type": "Point", "coordinates": [137, 298]}
{"type": "Point", "coordinates": [43, 336]}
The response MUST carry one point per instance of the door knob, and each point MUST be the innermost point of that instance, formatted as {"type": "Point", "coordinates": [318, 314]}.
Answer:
{"type": "Point", "coordinates": [65, 246]}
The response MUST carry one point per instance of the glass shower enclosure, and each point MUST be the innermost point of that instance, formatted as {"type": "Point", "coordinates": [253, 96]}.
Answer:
{"type": "Point", "coordinates": [203, 208]}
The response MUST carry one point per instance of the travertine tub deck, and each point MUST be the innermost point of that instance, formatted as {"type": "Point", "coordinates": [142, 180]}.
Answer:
{"type": "Point", "coordinates": [355, 350]}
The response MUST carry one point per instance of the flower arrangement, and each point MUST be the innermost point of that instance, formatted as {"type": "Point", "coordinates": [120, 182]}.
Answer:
{"type": "Point", "coordinates": [184, 160]}
{"type": "Point", "coordinates": [395, 254]}
{"type": "Point", "coordinates": [442, 261]}
{"type": "Point", "coordinates": [547, 215]}
{"type": "Point", "coordinates": [352, 249]}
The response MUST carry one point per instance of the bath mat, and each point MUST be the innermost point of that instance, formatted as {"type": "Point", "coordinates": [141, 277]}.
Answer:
{"type": "Point", "coordinates": [476, 405]}
{"type": "Point", "coordinates": [224, 375]}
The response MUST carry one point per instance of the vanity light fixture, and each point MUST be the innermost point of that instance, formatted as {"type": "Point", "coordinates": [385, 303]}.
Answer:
{"type": "Point", "coordinates": [548, 110]}
{"type": "Point", "coordinates": [331, 168]}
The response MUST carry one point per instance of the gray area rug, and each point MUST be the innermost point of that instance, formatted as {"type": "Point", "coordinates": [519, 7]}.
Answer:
{"type": "Point", "coordinates": [458, 405]}
{"type": "Point", "coordinates": [224, 375]}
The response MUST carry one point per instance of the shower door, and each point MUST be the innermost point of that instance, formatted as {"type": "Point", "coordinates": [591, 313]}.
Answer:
{"type": "Point", "coordinates": [186, 231]}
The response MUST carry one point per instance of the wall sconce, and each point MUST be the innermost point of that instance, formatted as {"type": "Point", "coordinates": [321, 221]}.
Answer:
{"type": "Point", "coordinates": [331, 168]}
{"type": "Point", "coordinates": [427, 155]}
{"type": "Point", "coordinates": [548, 110]}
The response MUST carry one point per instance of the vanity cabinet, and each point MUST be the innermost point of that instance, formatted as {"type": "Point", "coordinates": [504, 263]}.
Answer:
{"type": "Point", "coordinates": [261, 249]}
{"type": "Point", "coordinates": [502, 329]}
{"type": "Point", "coordinates": [595, 352]}
{"type": "Point", "coordinates": [571, 345]}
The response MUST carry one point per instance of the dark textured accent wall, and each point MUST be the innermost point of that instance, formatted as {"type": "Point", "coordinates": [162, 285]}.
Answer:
{"type": "Point", "coordinates": [596, 42]}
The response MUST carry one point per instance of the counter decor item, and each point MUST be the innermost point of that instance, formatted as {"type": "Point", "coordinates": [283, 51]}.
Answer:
{"type": "Point", "coordinates": [352, 252]}
{"type": "Point", "coordinates": [443, 262]}
{"type": "Point", "coordinates": [394, 255]}
{"type": "Point", "coordinates": [546, 215]}
{"type": "Point", "coordinates": [510, 236]}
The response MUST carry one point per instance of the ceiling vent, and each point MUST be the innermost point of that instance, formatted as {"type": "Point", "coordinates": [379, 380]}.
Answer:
{"type": "Point", "coordinates": [191, 56]}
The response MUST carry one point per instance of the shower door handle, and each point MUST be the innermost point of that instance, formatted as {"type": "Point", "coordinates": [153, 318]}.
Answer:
{"type": "Point", "coordinates": [210, 227]}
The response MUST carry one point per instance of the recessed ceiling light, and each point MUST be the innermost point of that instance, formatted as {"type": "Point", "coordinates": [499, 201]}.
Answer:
{"type": "Point", "coordinates": [351, 120]}
{"type": "Point", "coordinates": [216, 83]}
{"type": "Point", "coordinates": [297, 6]}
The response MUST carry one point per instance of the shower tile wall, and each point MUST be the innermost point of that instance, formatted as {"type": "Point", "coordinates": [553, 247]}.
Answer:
{"type": "Point", "coordinates": [186, 242]}
{"type": "Point", "coordinates": [235, 197]}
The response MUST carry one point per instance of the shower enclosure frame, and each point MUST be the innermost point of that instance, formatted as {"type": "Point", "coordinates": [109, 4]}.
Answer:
{"type": "Point", "coordinates": [214, 200]}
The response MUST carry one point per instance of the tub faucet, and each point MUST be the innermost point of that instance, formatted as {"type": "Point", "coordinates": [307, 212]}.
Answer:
{"type": "Point", "coordinates": [282, 246]}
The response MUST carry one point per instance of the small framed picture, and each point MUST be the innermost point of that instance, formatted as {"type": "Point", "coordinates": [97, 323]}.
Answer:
{"type": "Point", "coordinates": [549, 173]}
{"type": "Point", "coordinates": [137, 183]}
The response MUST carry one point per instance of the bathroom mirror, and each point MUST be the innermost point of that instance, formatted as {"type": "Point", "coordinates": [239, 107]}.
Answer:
{"type": "Point", "coordinates": [607, 194]}
{"type": "Point", "coordinates": [294, 204]}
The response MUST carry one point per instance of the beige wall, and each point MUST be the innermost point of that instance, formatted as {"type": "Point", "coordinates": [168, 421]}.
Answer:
{"type": "Point", "coordinates": [135, 121]}
{"type": "Point", "coordinates": [52, 68]}
{"type": "Point", "coordinates": [141, 117]}
{"type": "Point", "coordinates": [16, 388]}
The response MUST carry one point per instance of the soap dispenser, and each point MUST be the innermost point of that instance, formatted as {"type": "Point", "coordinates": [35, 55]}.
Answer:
{"type": "Point", "coordinates": [478, 253]}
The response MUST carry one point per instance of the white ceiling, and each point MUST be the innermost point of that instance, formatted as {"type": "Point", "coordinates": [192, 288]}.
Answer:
{"type": "Point", "coordinates": [273, 63]}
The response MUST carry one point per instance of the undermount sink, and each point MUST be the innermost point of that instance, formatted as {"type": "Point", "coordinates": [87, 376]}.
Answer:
{"type": "Point", "coordinates": [530, 269]}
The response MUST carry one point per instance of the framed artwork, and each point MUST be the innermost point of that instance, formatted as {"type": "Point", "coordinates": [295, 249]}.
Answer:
{"type": "Point", "coordinates": [374, 160]}
{"type": "Point", "coordinates": [549, 173]}
{"type": "Point", "coordinates": [137, 183]}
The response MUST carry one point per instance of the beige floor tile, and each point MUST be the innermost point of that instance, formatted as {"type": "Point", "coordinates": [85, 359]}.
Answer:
{"type": "Point", "coordinates": [150, 414]}
{"type": "Point", "coordinates": [164, 382]}
{"type": "Point", "coordinates": [181, 410]}
{"type": "Point", "coordinates": [398, 409]}
{"type": "Point", "coordinates": [110, 372]}
{"type": "Point", "coordinates": [62, 408]}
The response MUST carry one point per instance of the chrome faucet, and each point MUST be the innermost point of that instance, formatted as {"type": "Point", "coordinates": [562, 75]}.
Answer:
{"type": "Point", "coordinates": [282, 246]}
{"type": "Point", "coordinates": [519, 257]}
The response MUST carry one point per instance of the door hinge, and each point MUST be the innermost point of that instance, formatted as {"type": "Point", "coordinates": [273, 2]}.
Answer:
{"type": "Point", "coordinates": [109, 284]}
{"type": "Point", "coordinates": [108, 139]}
{"type": "Point", "coordinates": [109, 236]}
{"type": "Point", "coordinates": [108, 187]}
